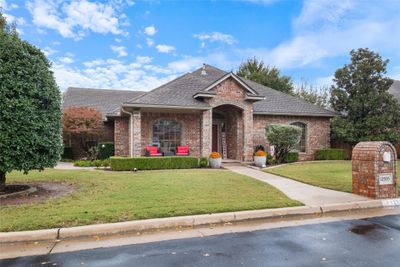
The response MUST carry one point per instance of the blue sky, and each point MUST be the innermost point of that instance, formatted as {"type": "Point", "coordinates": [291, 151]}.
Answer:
{"type": "Point", "coordinates": [139, 45]}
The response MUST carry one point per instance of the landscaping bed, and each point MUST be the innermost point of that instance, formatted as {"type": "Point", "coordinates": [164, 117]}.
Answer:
{"type": "Point", "coordinates": [104, 196]}
{"type": "Point", "coordinates": [334, 175]}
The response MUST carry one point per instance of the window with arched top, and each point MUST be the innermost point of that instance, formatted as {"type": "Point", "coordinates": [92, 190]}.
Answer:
{"type": "Point", "coordinates": [301, 146]}
{"type": "Point", "coordinates": [167, 135]}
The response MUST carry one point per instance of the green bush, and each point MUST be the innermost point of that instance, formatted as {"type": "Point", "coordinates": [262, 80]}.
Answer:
{"type": "Point", "coordinates": [92, 163]}
{"type": "Point", "coordinates": [330, 154]}
{"type": "Point", "coordinates": [67, 154]}
{"type": "Point", "coordinates": [203, 163]}
{"type": "Point", "coordinates": [291, 157]}
{"type": "Point", "coordinates": [155, 163]}
{"type": "Point", "coordinates": [106, 150]}
{"type": "Point", "coordinates": [284, 137]}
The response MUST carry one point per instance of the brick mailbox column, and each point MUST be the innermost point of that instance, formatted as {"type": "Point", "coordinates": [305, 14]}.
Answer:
{"type": "Point", "coordinates": [374, 170]}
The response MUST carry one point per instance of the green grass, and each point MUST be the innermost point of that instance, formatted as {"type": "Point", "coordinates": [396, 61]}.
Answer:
{"type": "Point", "coordinates": [334, 175]}
{"type": "Point", "coordinates": [105, 196]}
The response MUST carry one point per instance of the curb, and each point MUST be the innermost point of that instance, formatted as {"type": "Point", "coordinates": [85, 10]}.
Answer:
{"type": "Point", "coordinates": [181, 221]}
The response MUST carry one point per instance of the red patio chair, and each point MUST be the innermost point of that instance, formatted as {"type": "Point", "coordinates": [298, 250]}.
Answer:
{"type": "Point", "coordinates": [182, 151]}
{"type": "Point", "coordinates": [152, 151]}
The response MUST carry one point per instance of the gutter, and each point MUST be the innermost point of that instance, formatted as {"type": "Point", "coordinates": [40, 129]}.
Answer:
{"type": "Point", "coordinates": [130, 131]}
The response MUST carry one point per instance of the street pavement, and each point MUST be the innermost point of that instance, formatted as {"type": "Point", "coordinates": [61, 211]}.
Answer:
{"type": "Point", "coordinates": [362, 242]}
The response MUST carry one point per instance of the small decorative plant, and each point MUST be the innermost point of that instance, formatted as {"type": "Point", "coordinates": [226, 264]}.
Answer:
{"type": "Point", "coordinates": [215, 160]}
{"type": "Point", "coordinates": [215, 155]}
{"type": "Point", "coordinates": [260, 158]}
{"type": "Point", "coordinates": [260, 153]}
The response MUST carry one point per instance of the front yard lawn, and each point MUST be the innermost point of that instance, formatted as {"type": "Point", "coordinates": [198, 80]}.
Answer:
{"type": "Point", "coordinates": [334, 175]}
{"type": "Point", "coordinates": [104, 196]}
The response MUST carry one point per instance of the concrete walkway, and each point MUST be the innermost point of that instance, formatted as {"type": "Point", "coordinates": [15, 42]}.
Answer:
{"type": "Point", "coordinates": [307, 194]}
{"type": "Point", "coordinates": [70, 166]}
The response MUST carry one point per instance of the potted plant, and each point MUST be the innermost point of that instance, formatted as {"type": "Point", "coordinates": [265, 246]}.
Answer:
{"type": "Point", "coordinates": [260, 158]}
{"type": "Point", "coordinates": [215, 160]}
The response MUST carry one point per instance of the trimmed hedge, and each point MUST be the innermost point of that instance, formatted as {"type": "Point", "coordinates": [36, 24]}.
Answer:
{"type": "Point", "coordinates": [106, 150]}
{"type": "Point", "coordinates": [291, 157]}
{"type": "Point", "coordinates": [330, 154]}
{"type": "Point", "coordinates": [153, 163]}
{"type": "Point", "coordinates": [92, 163]}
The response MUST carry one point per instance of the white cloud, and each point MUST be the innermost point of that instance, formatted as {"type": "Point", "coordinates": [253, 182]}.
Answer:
{"type": "Point", "coordinates": [74, 19]}
{"type": "Point", "coordinates": [320, 33]}
{"type": "Point", "coordinates": [48, 51]}
{"type": "Point", "coordinates": [110, 73]}
{"type": "Point", "coordinates": [216, 37]}
{"type": "Point", "coordinates": [150, 30]}
{"type": "Point", "coordinates": [66, 60]}
{"type": "Point", "coordinates": [120, 50]}
{"type": "Point", "coordinates": [149, 42]}
{"type": "Point", "coordinates": [143, 59]}
{"type": "Point", "coordinates": [162, 48]}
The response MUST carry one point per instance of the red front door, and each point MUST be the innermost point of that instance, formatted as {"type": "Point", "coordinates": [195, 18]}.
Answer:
{"type": "Point", "coordinates": [214, 138]}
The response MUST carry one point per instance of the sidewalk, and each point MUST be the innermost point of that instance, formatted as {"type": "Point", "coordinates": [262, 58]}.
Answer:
{"type": "Point", "coordinates": [308, 194]}
{"type": "Point", "coordinates": [70, 166]}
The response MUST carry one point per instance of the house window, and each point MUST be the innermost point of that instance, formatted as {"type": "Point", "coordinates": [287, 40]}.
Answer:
{"type": "Point", "coordinates": [166, 135]}
{"type": "Point", "coordinates": [301, 146]}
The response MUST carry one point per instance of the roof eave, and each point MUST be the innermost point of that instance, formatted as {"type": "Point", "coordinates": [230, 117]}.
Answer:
{"type": "Point", "coordinates": [294, 114]}
{"type": "Point", "coordinates": [133, 105]}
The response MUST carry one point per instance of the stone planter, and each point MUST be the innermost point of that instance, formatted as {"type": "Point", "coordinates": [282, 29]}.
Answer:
{"type": "Point", "coordinates": [215, 163]}
{"type": "Point", "coordinates": [260, 161]}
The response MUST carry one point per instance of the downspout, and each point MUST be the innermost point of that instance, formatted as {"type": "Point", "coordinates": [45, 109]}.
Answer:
{"type": "Point", "coordinates": [130, 131]}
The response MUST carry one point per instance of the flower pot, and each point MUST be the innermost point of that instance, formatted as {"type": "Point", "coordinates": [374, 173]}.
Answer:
{"type": "Point", "coordinates": [260, 161]}
{"type": "Point", "coordinates": [215, 163]}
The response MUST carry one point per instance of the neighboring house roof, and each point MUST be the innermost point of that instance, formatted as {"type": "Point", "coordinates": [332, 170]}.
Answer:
{"type": "Point", "coordinates": [395, 89]}
{"type": "Point", "coordinates": [181, 91]}
{"type": "Point", "coordinates": [104, 100]}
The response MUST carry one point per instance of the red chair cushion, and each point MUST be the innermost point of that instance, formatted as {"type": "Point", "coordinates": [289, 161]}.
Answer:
{"type": "Point", "coordinates": [155, 154]}
{"type": "Point", "coordinates": [183, 149]}
{"type": "Point", "coordinates": [152, 150]}
{"type": "Point", "coordinates": [182, 154]}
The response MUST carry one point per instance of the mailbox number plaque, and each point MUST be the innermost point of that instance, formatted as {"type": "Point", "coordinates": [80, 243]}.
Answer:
{"type": "Point", "coordinates": [385, 178]}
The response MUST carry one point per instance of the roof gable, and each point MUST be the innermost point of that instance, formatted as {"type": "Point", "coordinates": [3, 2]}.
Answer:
{"type": "Point", "coordinates": [236, 78]}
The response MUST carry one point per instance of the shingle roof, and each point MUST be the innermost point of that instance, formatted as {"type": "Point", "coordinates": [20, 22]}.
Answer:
{"type": "Point", "coordinates": [395, 89]}
{"type": "Point", "coordinates": [104, 100]}
{"type": "Point", "coordinates": [180, 91]}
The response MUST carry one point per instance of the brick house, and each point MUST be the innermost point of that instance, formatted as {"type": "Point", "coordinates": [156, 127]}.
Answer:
{"type": "Point", "coordinates": [209, 110]}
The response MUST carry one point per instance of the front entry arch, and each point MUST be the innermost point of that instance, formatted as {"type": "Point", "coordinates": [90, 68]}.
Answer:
{"type": "Point", "coordinates": [227, 131]}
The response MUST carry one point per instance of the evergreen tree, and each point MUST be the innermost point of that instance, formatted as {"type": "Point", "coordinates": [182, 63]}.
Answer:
{"type": "Point", "coordinates": [30, 107]}
{"type": "Point", "coordinates": [256, 71]}
{"type": "Point", "coordinates": [360, 95]}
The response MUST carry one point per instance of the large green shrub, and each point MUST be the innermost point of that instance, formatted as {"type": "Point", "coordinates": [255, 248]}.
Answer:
{"type": "Point", "coordinates": [291, 157]}
{"type": "Point", "coordinates": [203, 163]}
{"type": "Point", "coordinates": [330, 154]}
{"type": "Point", "coordinates": [106, 150]}
{"type": "Point", "coordinates": [284, 137]}
{"type": "Point", "coordinates": [30, 107]}
{"type": "Point", "coordinates": [153, 163]}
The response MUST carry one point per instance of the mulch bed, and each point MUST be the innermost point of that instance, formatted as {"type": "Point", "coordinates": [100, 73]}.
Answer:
{"type": "Point", "coordinates": [44, 191]}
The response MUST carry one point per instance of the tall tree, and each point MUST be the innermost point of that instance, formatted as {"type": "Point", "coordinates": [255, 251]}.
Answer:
{"type": "Point", "coordinates": [30, 111]}
{"type": "Point", "coordinates": [317, 96]}
{"type": "Point", "coordinates": [84, 124]}
{"type": "Point", "coordinates": [255, 70]}
{"type": "Point", "coordinates": [360, 95]}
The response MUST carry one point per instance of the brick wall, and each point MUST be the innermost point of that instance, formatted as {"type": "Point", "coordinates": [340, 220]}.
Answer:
{"type": "Point", "coordinates": [240, 119]}
{"type": "Point", "coordinates": [190, 127]}
{"type": "Point", "coordinates": [318, 131]}
{"type": "Point", "coordinates": [367, 164]}
{"type": "Point", "coordinates": [121, 136]}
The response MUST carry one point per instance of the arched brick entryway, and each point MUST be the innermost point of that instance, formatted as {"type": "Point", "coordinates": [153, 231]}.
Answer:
{"type": "Point", "coordinates": [227, 131]}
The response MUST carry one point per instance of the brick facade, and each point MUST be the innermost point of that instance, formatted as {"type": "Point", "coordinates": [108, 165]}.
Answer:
{"type": "Point", "coordinates": [240, 120]}
{"type": "Point", "coordinates": [368, 163]}
{"type": "Point", "coordinates": [121, 136]}
{"type": "Point", "coordinates": [243, 129]}
{"type": "Point", "coordinates": [317, 131]}
{"type": "Point", "coordinates": [190, 127]}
